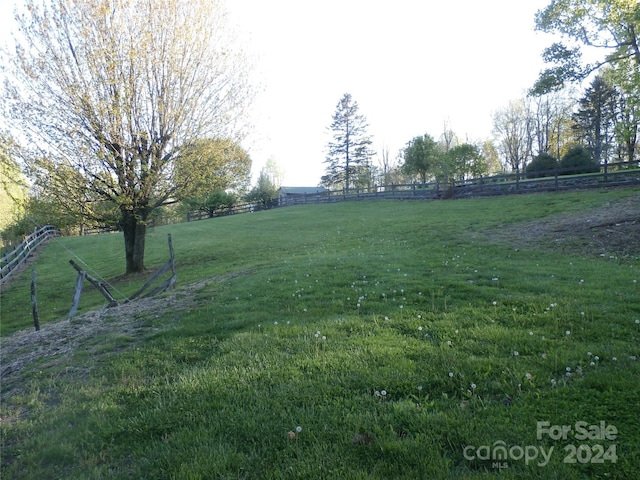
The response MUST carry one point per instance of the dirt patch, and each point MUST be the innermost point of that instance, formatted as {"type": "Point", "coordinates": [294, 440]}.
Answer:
{"type": "Point", "coordinates": [612, 230]}
{"type": "Point", "coordinates": [55, 342]}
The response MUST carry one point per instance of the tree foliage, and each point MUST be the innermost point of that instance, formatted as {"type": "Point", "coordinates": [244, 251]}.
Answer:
{"type": "Point", "coordinates": [578, 160]}
{"type": "Point", "coordinates": [610, 25]}
{"type": "Point", "coordinates": [596, 118]}
{"type": "Point", "coordinates": [348, 154]}
{"type": "Point", "coordinates": [421, 155]}
{"type": "Point", "coordinates": [211, 165]}
{"type": "Point", "coordinates": [212, 202]}
{"type": "Point", "coordinates": [466, 161]}
{"type": "Point", "coordinates": [513, 128]}
{"type": "Point", "coordinates": [542, 165]}
{"type": "Point", "coordinates": [13, 187]}
{"type": "Point", "coordinates": [117, 89]}
{"type": "Point", "coordinates": [265, 192]}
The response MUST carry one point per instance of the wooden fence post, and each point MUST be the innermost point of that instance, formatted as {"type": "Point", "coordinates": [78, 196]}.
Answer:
{"type": "Point", "coordinates": [77, 293]}
{"type": "Point", "coordinates": [34, 302]}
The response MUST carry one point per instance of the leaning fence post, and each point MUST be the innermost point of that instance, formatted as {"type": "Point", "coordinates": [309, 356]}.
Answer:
{"type": "Point", "coordinates": [34, 302]}
{"type": "Point", "coordinates": [76, 295]}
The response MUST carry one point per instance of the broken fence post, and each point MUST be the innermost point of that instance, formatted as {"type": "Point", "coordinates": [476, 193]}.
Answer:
{"type": "Point", "coordinates": [34, 302]}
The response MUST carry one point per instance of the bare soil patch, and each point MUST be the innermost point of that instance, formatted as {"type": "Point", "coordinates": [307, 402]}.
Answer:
{"type": "Point", "coordinates": [55, 342]}
{"type": "Point", "coordinates": [612, 230]}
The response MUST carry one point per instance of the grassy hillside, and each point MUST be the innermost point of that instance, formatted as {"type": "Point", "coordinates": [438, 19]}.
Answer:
{"type": "Point", "coordinates": [354, 340]}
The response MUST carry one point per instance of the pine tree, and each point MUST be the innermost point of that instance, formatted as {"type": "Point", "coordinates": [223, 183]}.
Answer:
{"type": "Point", "coordinates": [596, 118]}
{"type": "Point", "coordinates": [348, 153]}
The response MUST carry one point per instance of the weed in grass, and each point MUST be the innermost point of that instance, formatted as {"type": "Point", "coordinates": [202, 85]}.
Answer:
{"type": "Point", "coordinates": [311, 333]}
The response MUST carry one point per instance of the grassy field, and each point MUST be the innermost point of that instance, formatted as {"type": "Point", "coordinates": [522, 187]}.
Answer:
{"type": "Point", "coordinates": [358, 340]}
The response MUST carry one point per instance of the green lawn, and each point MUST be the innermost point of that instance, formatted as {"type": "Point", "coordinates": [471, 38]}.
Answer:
{"type": "Point", "coordinates": [358, 340]}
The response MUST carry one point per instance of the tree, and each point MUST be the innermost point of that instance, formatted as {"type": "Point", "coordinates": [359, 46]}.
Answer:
{"type": "Point", "coordinates": [265, 192]}
{"type": "Point", "coordinates": [610, 25]}
{"type": "Point", "coordinates": [596, 118]}
{"type": "Point", "coordinates": [578, 160]}
{"type": "Point", "coordinates": [348, 153]}
{"type": "Point", "coordinates": [275, 171]}
{"type": "Point", "coordinates": [59, 196]}
{"type": "Point", "coordinates": [13, 186]}
{"type": "Point", "coordinates": [421, 156]}
{"type": "Point", "coordinates": [513, 128]}
{"type": "Point", "coordinates": [214, 201]}
{"type": "Point", "coordinates": [211, 165]}
{"type": "Point", "coordinates": [466, 161]}
{"type": "Point", "coordinates": [117, 89]}
{"type": "Point", "coordinates": [542, 165]}
{"type": "Point", "coordinates": [490, 156]}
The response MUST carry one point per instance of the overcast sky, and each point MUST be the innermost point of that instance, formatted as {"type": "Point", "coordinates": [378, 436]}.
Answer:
{"type": "Point", "coordinates": [411, 65]}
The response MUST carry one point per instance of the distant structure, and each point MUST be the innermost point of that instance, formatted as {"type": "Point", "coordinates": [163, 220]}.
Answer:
{"type": "Point", "coordinates": [293, 195]}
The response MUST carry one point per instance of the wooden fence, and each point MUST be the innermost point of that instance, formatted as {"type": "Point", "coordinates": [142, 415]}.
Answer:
{"type": "Point", "coordinates": [16, 257]}
{"type": "Point", "coordinates": [618, 174]}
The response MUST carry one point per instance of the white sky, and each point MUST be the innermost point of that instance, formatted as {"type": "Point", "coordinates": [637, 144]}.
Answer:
{"type": "Point", "coordinates": [411, 65]}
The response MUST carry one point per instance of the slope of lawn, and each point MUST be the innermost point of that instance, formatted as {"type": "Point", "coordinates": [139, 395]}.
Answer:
{"type": "Point", "coordinates": [358, 340]}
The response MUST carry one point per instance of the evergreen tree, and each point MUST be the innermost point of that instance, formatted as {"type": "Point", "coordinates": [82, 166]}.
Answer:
{"type": "Point", "coordinates": [348, 155]}
{"type": "Point", "coordinates": [596, 118]}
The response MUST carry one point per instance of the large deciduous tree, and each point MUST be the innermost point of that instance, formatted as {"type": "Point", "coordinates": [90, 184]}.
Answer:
{"type": "Point", "coordinates": [348, 153]}
{"type": "Point", "coordinates": [513, 128]}
{"type": "Point", "coordinates": [115, 89]}
{"type": "Point", "coordinates": [421, 156]}
{"type": "Point", "coordinates": [611, 25]}
{"type": "Point", "coordinates": [209, 165]}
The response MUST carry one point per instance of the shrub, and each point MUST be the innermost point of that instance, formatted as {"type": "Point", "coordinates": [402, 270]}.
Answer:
{"type": "Point", "coordinates": [542, 166]}
{"type": "Point", "coordinates": [578, 160]}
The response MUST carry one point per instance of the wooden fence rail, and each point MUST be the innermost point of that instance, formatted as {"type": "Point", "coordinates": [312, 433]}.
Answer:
{"type": "Point", "coordinates": [12, 260]}
{"type": "Point", "coordinates": [616, 174]}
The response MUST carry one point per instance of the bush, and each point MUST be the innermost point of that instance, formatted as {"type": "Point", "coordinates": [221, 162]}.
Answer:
{"type": "Point", "coordinates": [578, 160]}
{"type": "Point", "coordinates": [542, 166]}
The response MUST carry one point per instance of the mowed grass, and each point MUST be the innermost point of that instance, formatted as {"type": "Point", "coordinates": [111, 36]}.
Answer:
{"type": "Point", "coordinates": [357, 340]}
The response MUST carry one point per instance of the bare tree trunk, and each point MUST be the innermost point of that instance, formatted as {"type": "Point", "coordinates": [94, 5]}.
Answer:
{"type": "Point", "coordinates": [134, 228]}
